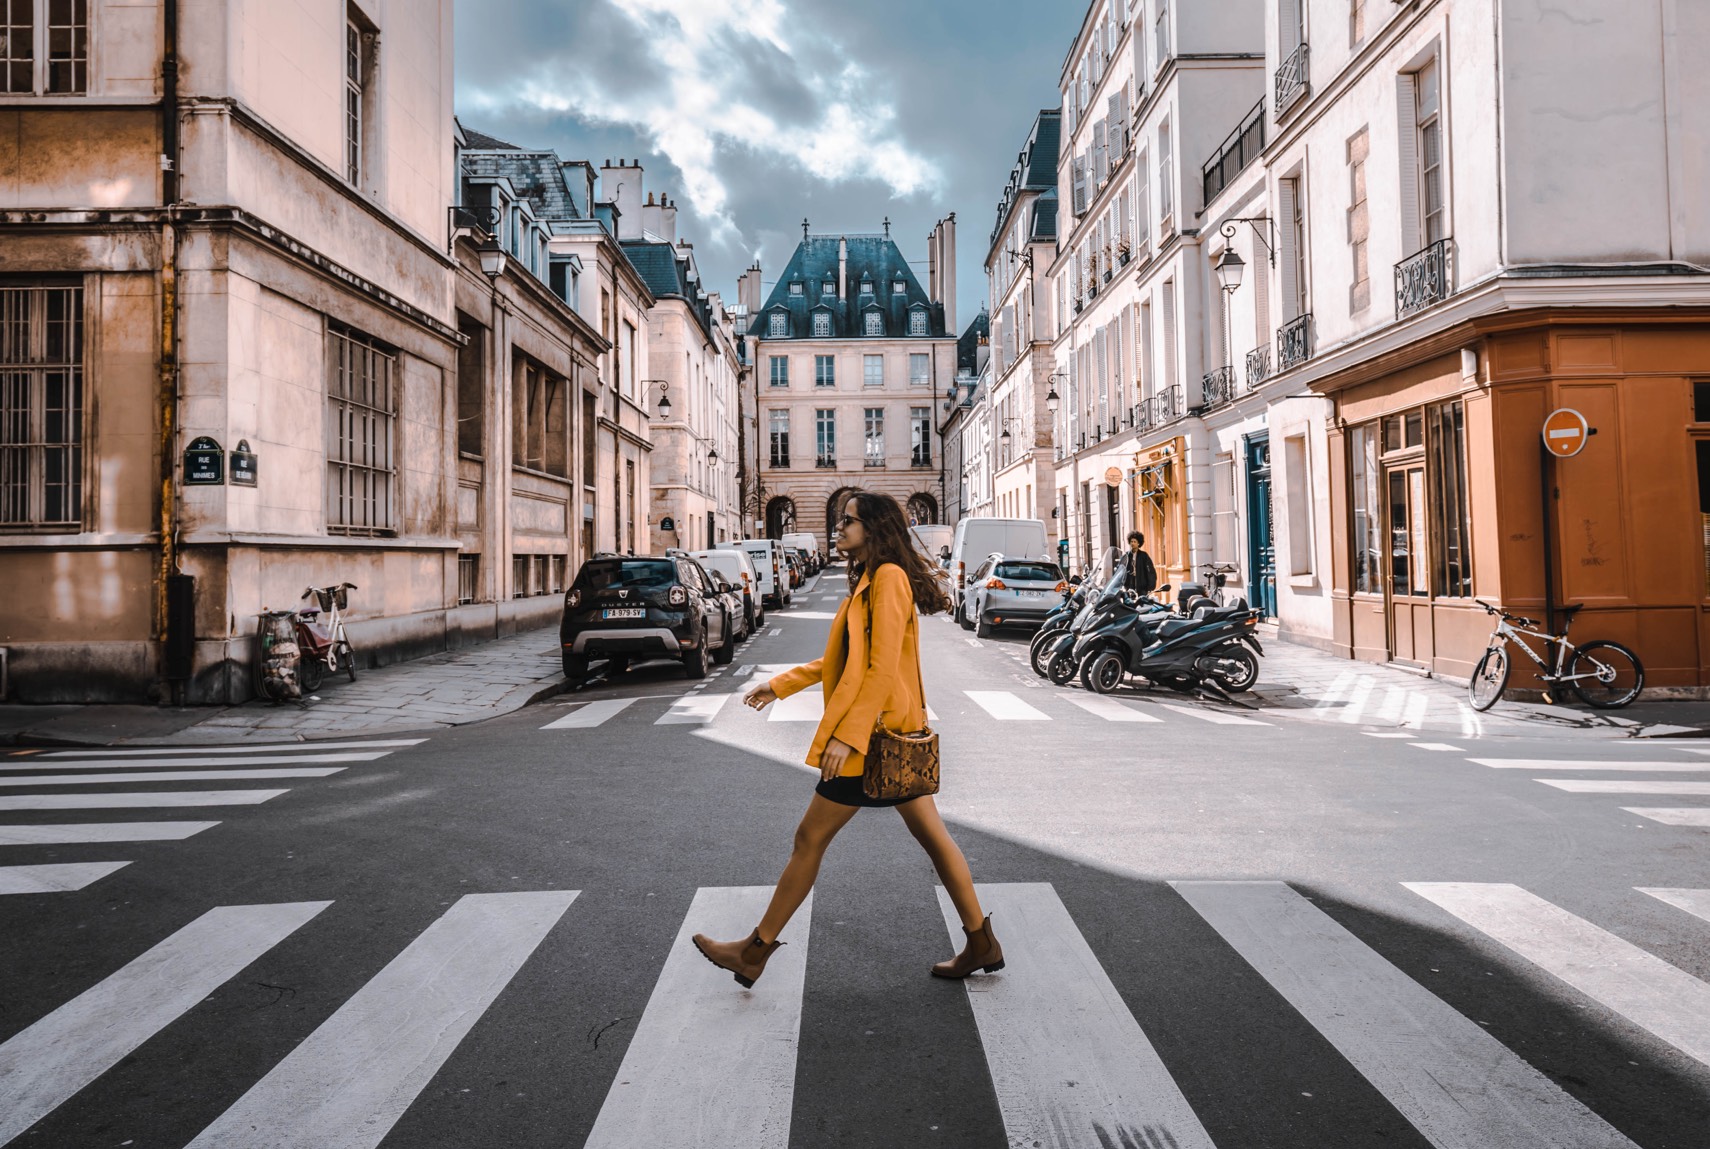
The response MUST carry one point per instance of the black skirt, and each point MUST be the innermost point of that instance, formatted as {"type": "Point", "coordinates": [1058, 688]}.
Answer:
{"type": "Point", "coordinates": [846, 790]}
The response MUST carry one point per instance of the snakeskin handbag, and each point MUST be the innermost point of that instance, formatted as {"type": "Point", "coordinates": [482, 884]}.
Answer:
{"type": "Point", "coordinates": [899, 765]}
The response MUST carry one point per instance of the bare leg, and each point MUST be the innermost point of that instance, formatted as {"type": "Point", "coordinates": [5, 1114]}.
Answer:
{"type": "Point", "coordinates": [818, 827]}
{"type": "Point", "coordinates": [921, 818]}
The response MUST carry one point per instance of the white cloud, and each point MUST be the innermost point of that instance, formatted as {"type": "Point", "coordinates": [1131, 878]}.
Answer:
{"type": "Point", "coordinates": [701, 105]}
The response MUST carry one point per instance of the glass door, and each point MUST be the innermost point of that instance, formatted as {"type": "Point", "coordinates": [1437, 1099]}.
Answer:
{"type": "Point", "coordinates": [1407, 584]}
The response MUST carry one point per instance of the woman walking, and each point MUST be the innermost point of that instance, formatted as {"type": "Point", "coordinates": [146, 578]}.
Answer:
{"type": "Point", "coordinates": [871, 675]}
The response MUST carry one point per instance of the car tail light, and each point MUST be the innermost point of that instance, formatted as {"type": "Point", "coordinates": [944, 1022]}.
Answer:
{"type": "Point", "coordinates": [1063, 587]}
{"type": "Point", "coordinates": [995, 584]}
{"type": "Point", "coordinates": [679, 596]}
{"type": "Point", "coordinates": [961, 573]}
{"type": "Point", "coordinates": [574, 598]}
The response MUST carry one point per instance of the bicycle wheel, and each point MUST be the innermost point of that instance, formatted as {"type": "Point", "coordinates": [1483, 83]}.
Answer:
{"type": "Point", "coordinates": [310, 671]}
{"type": "Point", "coordinates": [1606, 675]}
{"type": "Point", "coordinates": [348, 657]}
{"type": "Point", "coordinates": [1489, 678]}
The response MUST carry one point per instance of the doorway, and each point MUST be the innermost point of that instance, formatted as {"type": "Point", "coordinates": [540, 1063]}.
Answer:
{"type": "Point", "coordinates": [1407, 588]}
{"type": "Point", "coordinates": [1261, 537]}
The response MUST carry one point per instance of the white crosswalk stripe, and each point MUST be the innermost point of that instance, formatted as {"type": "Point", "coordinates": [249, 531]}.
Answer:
{"type": "Point", "coordinates": [61, 834]}
{"type": "Point", "coordinates": [1109, 709]}
{"type": "Point", "coordinates": [348, 1083]}
{"type": "Point", "coordinates": [695, 710]}
{"type": "Point", "coordinates": [712, 1064]}
{"type": "Point", "coordinates": [1070, 1065]}
{"type": "Point", "coordinates": [137, 800]}
{"type": "Point", "coordinates": [709, 1065]}
{"type": "Point", "coordinates": [1647, 991]}
{"type": "Point", "coordinates": [164, 776]}
{"type": "Point", "coordinates": [1673, 815]}
{"type": "Point", "coordinates": [44, 763]}
{"type": "Point", "coordinates": [1626, 786]}
{"type": "Point", "coordinates": [53, 878]}
{"type": "Point", "coordinates": [590, 714]}
{"type": "Point", "coordinates": [1459, 1086]}
{"type": "Point", "coordinates": [255, 748]}
{"type": "Point", "coordinates": [1215, 717]}
{"type": "Point", "coordinates": [57, 1056]}
{"type": "Point", "coordinates": [1005, 707]}
{"type": "Point", "coordinates": [1617, 766]}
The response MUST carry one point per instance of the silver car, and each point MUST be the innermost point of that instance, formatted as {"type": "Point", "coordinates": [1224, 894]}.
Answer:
{"type": "Point", "coordinates": [1010, 592]}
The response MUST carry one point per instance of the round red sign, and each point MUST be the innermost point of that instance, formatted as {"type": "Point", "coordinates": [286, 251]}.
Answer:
{"type": "Point", "coordinates": [1565, 432]}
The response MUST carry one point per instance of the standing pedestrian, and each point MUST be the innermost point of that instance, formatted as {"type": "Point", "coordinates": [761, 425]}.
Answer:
{"type": "Point", "coordinates": [871, 675]}
{"type": "Point", "coordinates": [1138, 573]}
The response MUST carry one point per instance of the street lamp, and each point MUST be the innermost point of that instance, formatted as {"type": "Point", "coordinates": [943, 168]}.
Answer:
{"type": "Point", "coordinates": [493, 258]}
{"type": "Point", "coordinates": [664, 396]}
{"type": "Point", "coordinates": [1230, 267]}
{"type": "Point", "coordinates": [1051, 399]}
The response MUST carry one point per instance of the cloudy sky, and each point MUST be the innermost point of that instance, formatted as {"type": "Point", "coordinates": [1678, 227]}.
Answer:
{"type": "Point", "coordinates": [755, 113]}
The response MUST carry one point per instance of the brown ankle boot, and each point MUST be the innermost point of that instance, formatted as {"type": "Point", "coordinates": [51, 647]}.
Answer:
{"type": "Point", "coordinates": [981, 953]}
{"type": "Point", "coordinates": [746, 959]}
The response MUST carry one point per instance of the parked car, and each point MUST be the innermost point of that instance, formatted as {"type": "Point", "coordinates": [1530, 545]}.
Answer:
{"type": "Point", "coordinates": [738, 569]}
{"type": "Point", "coordinates": [1005, 591]}
{"type": "Point", "coordinates": [810, 566]}
{"type": "Point", "coordinates": [770, 570]}
{"type": "Point", "coordinates": [808, 545]}
{"type": "Point", "coordinates": [977, 538]}
{"type": "Point", "coordinates": [797, 575]}
{"type": "Point", "coordinates": [621, 608]}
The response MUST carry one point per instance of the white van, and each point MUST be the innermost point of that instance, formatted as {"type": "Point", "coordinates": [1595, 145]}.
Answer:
{"type": "Point", "coordinates": [977, 538]}
{"type": "Point", "coordinates": [807, 542]}
{"type": "Point", "coordinates": [771, 569]}
{"type": "Point", "coordinates": [933, 539]}
{"type": "Point", "coordinates": [738, 570]}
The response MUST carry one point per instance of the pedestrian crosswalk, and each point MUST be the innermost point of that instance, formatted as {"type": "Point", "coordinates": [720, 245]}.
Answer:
{"type": "Point", "coordinates": [699, 706]}
{"type": "Point", "coordinates": [1666, 780]}
{"type": "Point", "coordinates": [96, 780]}
{"type": "Point", "coordinates": [709, 1064]}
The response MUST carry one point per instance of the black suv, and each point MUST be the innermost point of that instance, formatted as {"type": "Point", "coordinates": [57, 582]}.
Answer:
{"type": "Point", "coordinates": [653, 607]}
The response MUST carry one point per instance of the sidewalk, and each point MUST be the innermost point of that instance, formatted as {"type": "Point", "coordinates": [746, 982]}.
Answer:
{"type": "Point", "coordinates": [441, 690]}
{"type": "Point", "coordinates": [1315, 686]}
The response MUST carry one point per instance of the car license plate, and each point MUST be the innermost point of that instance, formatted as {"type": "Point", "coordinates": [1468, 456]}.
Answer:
{"type": "Point", "coordinates": [1031, 593]}
{"type": "Point", "coordinates": [624, 612]}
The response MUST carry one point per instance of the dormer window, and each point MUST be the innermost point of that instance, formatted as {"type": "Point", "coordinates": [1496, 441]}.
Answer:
{"type": "Point", "coordinates": [866, 286]}
{"type": "Point", "coordinates": [830, 287]}
{"type": "Point", "coordinates": [822, 324]}
{"type": "Point", "coordinates": [777, 325]}
{"type": "Point", "coordinates": [795, 287]}
{"type": "Point", "coordinates": [875, 323]}
{"type": "Point", "coordinates": [899, 287]}
{"type": "Point", "coordinates": [917, 322]}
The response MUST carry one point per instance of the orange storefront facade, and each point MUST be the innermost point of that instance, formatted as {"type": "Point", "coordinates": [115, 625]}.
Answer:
{"type": "Point", "coordinates": [1438, 490]}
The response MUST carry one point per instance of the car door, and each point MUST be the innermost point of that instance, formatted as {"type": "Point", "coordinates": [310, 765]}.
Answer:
{"type": "Point", "coordinates": [717, 618]}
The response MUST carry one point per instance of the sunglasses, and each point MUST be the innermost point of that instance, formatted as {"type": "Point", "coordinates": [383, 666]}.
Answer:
{"type": "Point", "coordinates": [844, 522]}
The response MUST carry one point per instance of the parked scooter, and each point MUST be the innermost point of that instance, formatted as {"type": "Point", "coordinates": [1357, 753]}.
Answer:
{"type": "Point", "coordinates": [1056, 662]}
{"type": "Point", "coordinates": [1084, 590]}
{"type": "Point", "coordinates": [1216, 648]}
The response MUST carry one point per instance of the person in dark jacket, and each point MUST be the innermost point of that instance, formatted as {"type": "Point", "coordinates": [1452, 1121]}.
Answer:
{"type": "Point", "coordinates": [1138, 573]}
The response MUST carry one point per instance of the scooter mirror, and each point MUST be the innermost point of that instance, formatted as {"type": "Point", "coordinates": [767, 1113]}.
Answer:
{"type": "Point", "coordinates": [1165, 589]}
{"type": "Point", "coordinates": [1075, 580]}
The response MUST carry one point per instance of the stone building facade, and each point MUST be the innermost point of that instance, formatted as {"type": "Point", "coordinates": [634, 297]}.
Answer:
{"type": "Point", "coordinates": [851, 359]}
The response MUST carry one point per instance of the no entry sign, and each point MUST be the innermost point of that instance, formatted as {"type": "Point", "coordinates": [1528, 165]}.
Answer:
{"type": "Point", "coordinates": [1565, 433]}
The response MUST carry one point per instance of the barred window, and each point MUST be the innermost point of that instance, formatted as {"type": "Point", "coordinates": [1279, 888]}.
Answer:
{"type": "Point", "coordinates": [41, 408]}
{"type": "Point", "coordinates": [874, 320]}
{"type": "Point", "coordinates": [917, 322]}
{"type": "Point", "coordinates": [777, 325]}
{"type": "Point", "coordinates": [468, 578]}
{"type": "Point", "coordinates": [44, 47]}
{"type": "Point", "coordinates": [822, 324]}
{"type": "Point", "coordinates": [361, 411]}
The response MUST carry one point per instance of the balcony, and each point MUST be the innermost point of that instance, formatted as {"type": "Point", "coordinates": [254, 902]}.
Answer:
{"type": "Point", "coordinates": [828, 461]}
{"type": "Point", "coordinates": [874, 461]}
{"type": "Point", "coordinates": [780, 462]}
{"type": "Point", "coordinates": [1240, 149]}
{"type": "Point", "coordinates": [919, 460]}
{"type": "Point", "coordinates": [1424, 278]}
{"type": "Point", "coordinates": [1291, 79]}
{"type": "Point", "coordinates": [1217, 388]}
{"type": "Point", "coordinates": [1164, 407]}
{"type": "Point", "coordinates": [1258, 367]}
{"type": "Point", "coordinates": [1294, 342]}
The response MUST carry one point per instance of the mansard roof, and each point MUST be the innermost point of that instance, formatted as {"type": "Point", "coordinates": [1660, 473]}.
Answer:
{"type": "Point", "coordinates": [666, 272]}
{"type": "Point", "coordinates": [1045, 216]}
{"type": "Point", "coordinates": [873, 257]}
{"type": "Point", "coordinates": [1035, 167]}
{"type": "Point", "coordinates": [536, 176]}
{"type": "Point", "coordinates": [968, 345]}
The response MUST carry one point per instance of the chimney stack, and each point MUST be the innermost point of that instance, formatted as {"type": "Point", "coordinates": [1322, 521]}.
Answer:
{"type": "Point", "coordinates": [621, 184]}
{"type": "Point", "coordinates": [843, 268]}
{"type": "Point", "coordinates": [941, 274]}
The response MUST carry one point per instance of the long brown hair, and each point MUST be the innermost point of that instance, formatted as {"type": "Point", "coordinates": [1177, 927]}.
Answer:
{"type": "Point", "coordinates": [888, 542]}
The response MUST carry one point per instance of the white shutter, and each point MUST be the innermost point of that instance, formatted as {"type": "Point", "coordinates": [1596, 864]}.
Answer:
{"type": "Point", "coordinates": [1407, 141]}
{"type": "Point", "coordinates": [1169, 321]}
{"type": "Point", "coordinates": [1286, 257]}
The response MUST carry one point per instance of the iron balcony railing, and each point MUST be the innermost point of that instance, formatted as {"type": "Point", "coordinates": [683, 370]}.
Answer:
{"type": "Point", "coordinates": [1217, 388]}
{"type": "Point", "coordinates": [1240, 149]}
{"type": "Point", "coordinates": [1165, 407]}
{"type": "Point", "coordinates": [1424, 278]}
{"type": "Point", "coordinates": [1294, 342]}
{"type": "Point", "coordinates": [1258, 366]}
{"type": "Point", "coordinates": [1291, 79]}
{"type": "Point", "coordinates": [825, 461]}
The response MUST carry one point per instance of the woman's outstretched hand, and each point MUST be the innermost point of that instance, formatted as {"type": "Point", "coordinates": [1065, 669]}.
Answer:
{"type": "Point", "coordinates": [831, 762]}
{"type": "Point", "coordinates": [759, 696]}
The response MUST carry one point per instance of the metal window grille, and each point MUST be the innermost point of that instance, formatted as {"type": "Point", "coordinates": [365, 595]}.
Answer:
{"type": "Point", "coordinates": [361, 412]}
{"type": "Point", "coordinates": [41, 408]}
{"type": "Point", "coordinates": [520, 567]}
{"type": "Point", "coordinates": [875, 321]}
{"type": "Point", "coordinates": [917, 323]}
{"type": "Point", "coordinates": [777, 325]}
{"type": "Point", "coordinates": [1291, 78]}
{"type": "Point", "coordinates": [468, 578]}
{"type": "Point", "coordinates": [875, 439]}
{"type": "Point", "coordinates": [822, 324]}
{"type": "Point", "coordinates": [542, 565]}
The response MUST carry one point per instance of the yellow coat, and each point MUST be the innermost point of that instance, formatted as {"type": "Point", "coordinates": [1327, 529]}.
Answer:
{"type": "Point", "coordinates": [863, 687]}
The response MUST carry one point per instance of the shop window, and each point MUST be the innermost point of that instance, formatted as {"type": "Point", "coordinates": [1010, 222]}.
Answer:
{"type": "Point", "coordinates": [1297, 474]}
{"type": "Point", "coordinates": [1448, 465]}
{"type": "Point", "coordinates": [1367, 541]}
{"type": "Point", "coordinates": [1225, 524]}
{"type": "Point", "coordinates": [1701, 402]}
{"type": "Point", "coordinates": [1703, 448]}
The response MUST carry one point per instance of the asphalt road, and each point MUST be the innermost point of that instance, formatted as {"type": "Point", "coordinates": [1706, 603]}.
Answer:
{"type": "Point", "coordinates": [1266, 933]}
